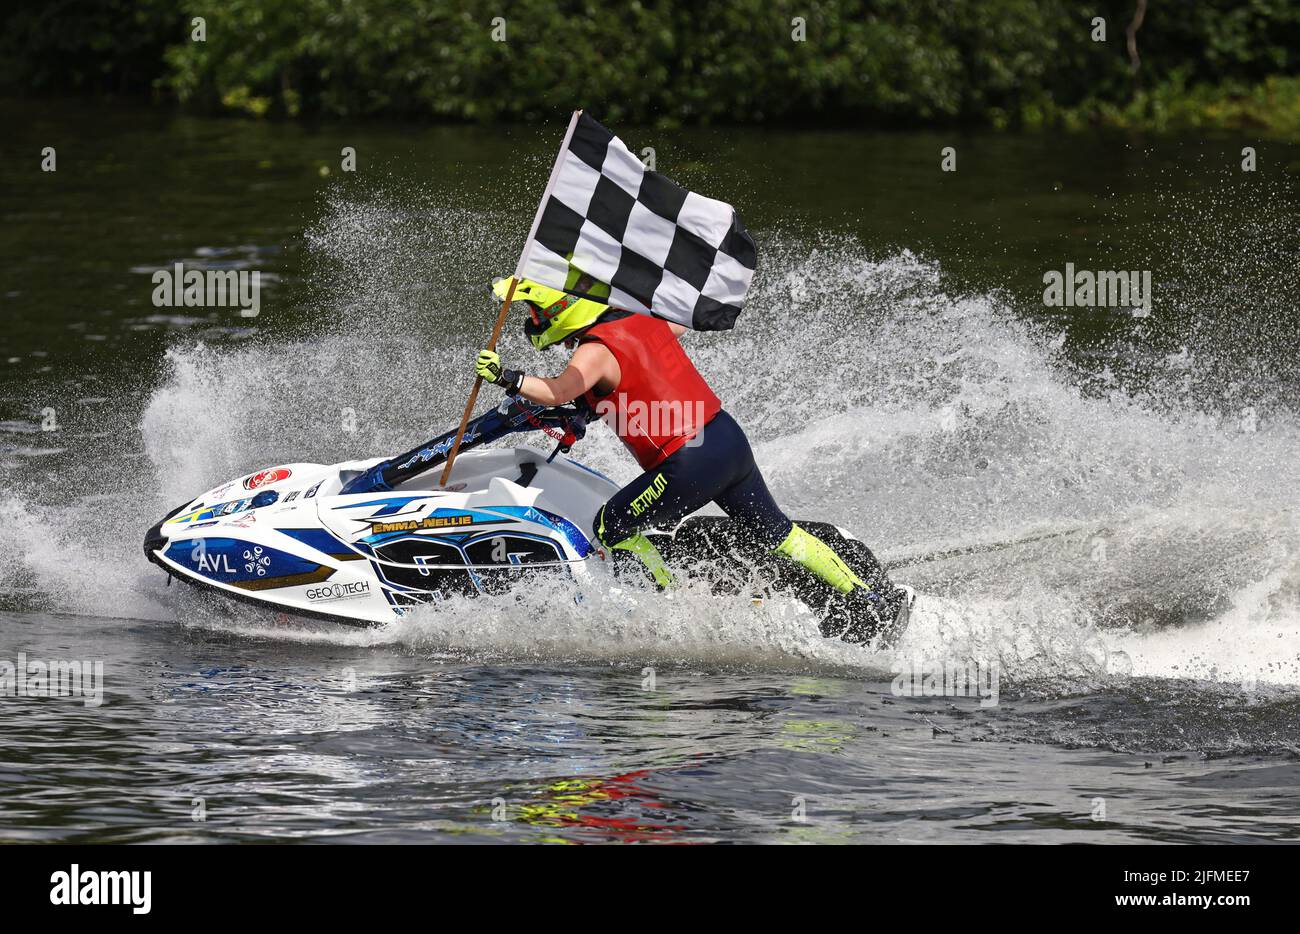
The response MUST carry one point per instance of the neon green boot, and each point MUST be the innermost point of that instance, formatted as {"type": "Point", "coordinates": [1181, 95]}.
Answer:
{"type": "Point", "coordinates": [644, 549]}
{"type": "Point", "coordinates": [814, 554]}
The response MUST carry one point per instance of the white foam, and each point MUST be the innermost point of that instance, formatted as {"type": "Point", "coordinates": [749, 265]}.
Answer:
{"type": "Point", "coordinates": [921, 420]}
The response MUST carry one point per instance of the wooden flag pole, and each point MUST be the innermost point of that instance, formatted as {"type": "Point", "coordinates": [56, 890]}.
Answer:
{"type": "Point", "coordinates": [478, 382]}
{"type": "Point", "coordinates": [510, 293]}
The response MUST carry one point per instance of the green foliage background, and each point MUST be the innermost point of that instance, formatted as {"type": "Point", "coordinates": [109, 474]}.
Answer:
{"type": "Point", "coordinates": [1004, 63]}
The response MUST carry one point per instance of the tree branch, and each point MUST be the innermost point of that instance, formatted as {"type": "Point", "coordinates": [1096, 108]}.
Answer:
{"type": "Point", "coordinates": [1139, 14]}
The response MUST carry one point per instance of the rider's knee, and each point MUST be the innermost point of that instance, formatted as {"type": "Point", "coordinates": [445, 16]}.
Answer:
{"type": "Point", "coordinates": [599, 534]}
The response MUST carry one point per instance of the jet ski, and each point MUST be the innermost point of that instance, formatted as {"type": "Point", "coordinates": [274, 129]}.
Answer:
{"type": "Point", "coordinates": [363, 543]}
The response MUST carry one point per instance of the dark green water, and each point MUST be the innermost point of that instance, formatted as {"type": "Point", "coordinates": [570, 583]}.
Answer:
{"type": "Point", "coordinates": [137, 190]}
{"type": "Point", "coordinates": [1102, 505]}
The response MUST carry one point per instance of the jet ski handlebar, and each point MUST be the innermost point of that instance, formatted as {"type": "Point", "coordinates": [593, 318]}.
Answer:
{"type": "Point", "coordinates": [566, 424]}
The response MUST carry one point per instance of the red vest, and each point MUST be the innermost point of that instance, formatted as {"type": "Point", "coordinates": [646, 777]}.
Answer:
{"type": "Point", "coordinates": [661, 401]}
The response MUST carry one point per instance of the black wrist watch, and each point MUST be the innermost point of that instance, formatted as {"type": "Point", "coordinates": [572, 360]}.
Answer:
{"type": "Point", "coordinates": [511, 381]}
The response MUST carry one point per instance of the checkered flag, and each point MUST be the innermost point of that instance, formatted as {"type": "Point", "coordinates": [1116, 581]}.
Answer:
{"type": "Point", "coordinates": [659, 248]}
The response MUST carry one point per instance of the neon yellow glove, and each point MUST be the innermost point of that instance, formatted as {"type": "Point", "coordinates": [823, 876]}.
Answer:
{"type": "Point", "coordinates": [488, 367]}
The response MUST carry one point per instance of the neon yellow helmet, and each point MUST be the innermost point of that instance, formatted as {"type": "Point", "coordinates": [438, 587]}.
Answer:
{"type": "Point", "coordinates": [554, 314]}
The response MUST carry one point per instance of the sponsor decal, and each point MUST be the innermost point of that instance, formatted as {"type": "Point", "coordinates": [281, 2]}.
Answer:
{"type": "Point", "coordinates": [255, 562]}
{"type": "Point", "coordinates": [442, 447]}
{"type": "Point", "coordinates": [312, 492]}
{"type": "Point", "coordinates": [195, 516]}
{"type": "Point", "coordinates": [212, 563]}
{"type": "Point", "coordinates": [212, 513]}
{"type": "Point", "coordinates": [649, 495]}
{"type": "Point", "coordinates": [292, 496]}
{"type": "Point", "coordinates": [235, 505]}
{"type": "Point", "coordinates": [234, 561]}
{"type": "Point", "coordinates": [267, 477]}
{"type": "Point", "coordinates": [339, 591]}
{"type": "Point", "coordinates": [416, 525]}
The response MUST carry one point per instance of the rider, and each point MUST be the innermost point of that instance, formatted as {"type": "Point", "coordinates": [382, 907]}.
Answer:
{"type": "Point", "coordinates": [631, 369]}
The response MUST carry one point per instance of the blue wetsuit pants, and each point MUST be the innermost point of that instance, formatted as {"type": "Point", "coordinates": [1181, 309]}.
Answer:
{"type": "Point", "coordinates": [716, 466]}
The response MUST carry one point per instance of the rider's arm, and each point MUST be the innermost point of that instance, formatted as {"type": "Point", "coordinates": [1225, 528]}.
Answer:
{"type": "Point", "coordinates": [590, 364]}
{"type": "Point", "coordinates": [677, 329]}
